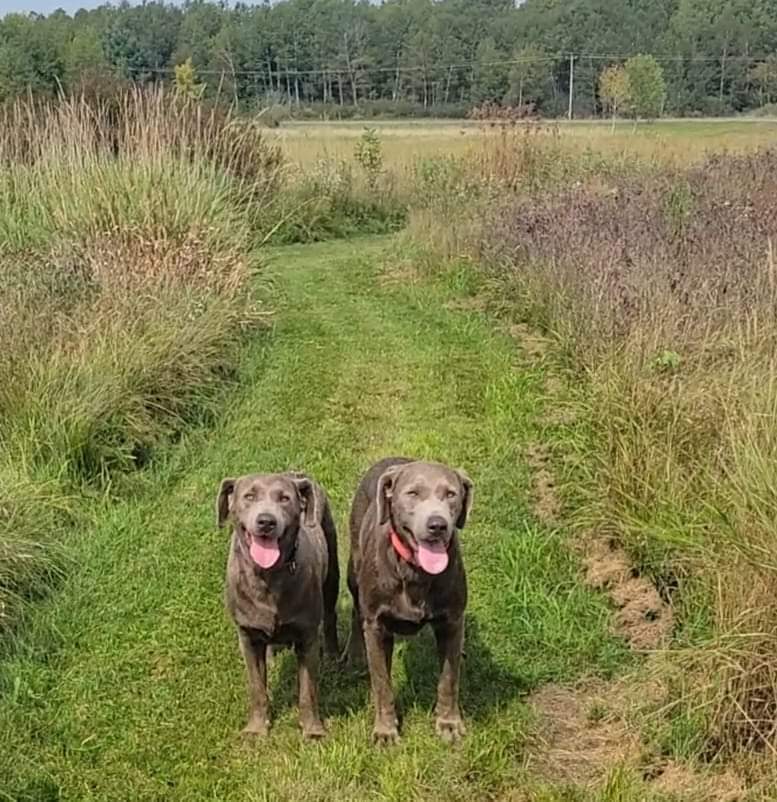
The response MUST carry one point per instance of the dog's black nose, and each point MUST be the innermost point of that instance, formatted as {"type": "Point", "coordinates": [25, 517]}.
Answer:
{"type": "Point", "coordinates": [266, 523]}
{"type": "Point", "coordinates": [437, 526]}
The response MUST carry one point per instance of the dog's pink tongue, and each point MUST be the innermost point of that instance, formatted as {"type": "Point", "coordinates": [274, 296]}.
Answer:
{"type": "Point", "coordinates": [432, 557]}
{"type": "Point", "coordinates": [265, 551]}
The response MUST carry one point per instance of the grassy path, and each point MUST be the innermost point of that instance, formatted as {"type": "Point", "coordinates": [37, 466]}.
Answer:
{"type": "Point", "coordinates": [129, 685]}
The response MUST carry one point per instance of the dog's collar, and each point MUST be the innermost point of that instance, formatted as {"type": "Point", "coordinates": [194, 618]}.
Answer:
{"type": "Point", "coordinates": [400, 547]}
{"type": "Point", "coordinates": [291, 561]}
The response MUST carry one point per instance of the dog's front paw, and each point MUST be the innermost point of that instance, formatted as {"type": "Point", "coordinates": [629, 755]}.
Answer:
{"type": "Point", "coordinates": [385, 733]}
{"type": "Point", "coordinates": [257, 727]}
{"type": "Point", "coordinates": [450, 728]}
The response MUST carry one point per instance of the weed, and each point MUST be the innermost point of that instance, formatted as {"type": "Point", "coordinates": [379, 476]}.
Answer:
{"type": "Point", "coordinates": [369, 155]}
{"type": "Point", "coordinates": [683, 458]}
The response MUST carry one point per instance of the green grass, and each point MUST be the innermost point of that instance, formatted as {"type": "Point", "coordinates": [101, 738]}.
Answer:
{"type": "Point", "coordinates": [127, 683]}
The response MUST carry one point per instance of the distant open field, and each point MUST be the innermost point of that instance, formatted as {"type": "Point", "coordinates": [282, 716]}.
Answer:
{"type": "Point", "coordinates": [406, 140]}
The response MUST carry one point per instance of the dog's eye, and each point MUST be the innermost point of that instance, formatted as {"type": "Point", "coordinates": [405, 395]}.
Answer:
{"type": "Point", "coordinates": [249, 497]}
{"type": "Point", "coordinates": [412, 493]}
{"type": "Point", "coordinates": [450, 494]}
{"type": "Point", "coordinates": [284, 499]}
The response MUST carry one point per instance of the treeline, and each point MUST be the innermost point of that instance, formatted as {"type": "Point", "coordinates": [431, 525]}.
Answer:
{"type": "Point", "coordinates": [718, 56]}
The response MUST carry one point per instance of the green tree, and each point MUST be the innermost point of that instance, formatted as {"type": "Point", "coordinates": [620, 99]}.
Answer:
{"type": "Point", "coordinates": [30, 56]}
{"type": "Point", "coordinates": [764, 76]}
{"type": "Point", "coordinates": [529, 75]}
{"type": "Point", "coordinates": [489, 79]}
{"type": "Point", "coordinates": [186, 84]}
{"type": "Point", "coordinates": [717, 37]}
{"type": "Point", "coordinates": [84, 57]}
{"type": "Point", "coordinates": [647, 87]}
{"type": "Point", "coordinates": [200, 24]}
{"type": "Point", "coordinates": [615, 90]}
{"type": "Point", "coordinates": [430, 51]}
{"type": "Point", "coordinates": [239, 55]}
{"type": "Point", "coordinates": [141, 40]}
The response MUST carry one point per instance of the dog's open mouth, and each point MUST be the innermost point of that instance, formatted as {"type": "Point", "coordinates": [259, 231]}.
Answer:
{"type": "Point", "coordinates": [265, 550]}
{"type": "Point", "coordinates": [431, 555]}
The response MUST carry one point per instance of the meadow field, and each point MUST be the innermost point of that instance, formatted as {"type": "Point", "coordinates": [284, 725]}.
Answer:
{"type": "Point", "coordinates": [186, 295]}
{"type": "Point", "coordinates": [405, 141]}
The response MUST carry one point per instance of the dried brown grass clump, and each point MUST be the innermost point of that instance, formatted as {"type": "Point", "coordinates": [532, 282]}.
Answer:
{"type": "Point", "coordinates": [139, 124]}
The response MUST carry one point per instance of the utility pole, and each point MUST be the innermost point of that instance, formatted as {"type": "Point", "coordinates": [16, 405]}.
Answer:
{"type": "Point", "coordinates": [571, 83]}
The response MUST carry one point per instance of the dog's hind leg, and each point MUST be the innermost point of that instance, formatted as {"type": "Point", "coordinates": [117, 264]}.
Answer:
{"type": "Point", "coordinates": [331, 585]}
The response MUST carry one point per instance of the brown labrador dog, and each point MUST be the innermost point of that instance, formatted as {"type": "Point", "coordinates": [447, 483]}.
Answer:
{"type": "Point", "coordinates": [406, 571]}
{"type": "Point", "coordinates": [282, 582]}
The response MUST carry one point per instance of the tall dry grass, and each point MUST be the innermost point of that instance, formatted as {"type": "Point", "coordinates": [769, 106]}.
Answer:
{"type": "Point", "coordinates": [126, 239]}
{"type": "Point", "coordinates": [660, 286]}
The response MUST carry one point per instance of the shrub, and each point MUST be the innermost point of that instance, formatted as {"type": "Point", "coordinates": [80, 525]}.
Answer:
{"type": "Point", "coordinates": [124, 289]}
{"type": "Point", "coordinates": [369, 155]}
{"type": "Point", "coordinates": [661, 290]}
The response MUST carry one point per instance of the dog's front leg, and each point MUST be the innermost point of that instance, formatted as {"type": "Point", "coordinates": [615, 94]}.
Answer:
{"type": "Point", "coordinates": [450, 640]}
{"type": "Point", "coordinates": [254, 653]}
{"type": "Point", "coordinates": [380, 647]}
{"type": "Point", "coordinates": [308, 658]}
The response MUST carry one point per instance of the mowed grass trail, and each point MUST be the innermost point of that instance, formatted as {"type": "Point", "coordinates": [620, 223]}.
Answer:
{"type": "Point", "coordinates": [128, 684]}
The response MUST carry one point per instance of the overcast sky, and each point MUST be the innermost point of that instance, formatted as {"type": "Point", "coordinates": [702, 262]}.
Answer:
{"type": "Point", "coordinates": [46, 6]}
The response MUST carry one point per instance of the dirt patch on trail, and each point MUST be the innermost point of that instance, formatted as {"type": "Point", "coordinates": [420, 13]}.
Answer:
{"type": "Point", "coordinates": [554, 387]}
{"type": "Point", "coordinates": [558, 412]}
{"type": "Point", "coordinates": [644, 619]}
{"type": "Point", "coordinates": [560, 416]}
{"type": "Point", "coordinates": [472, 303]}
{"type": "Point", "coordinates": [579, 739]}
{"type": "Point", "coordinates": [400, 274]}
{"type": "Point", "coordinates": [679, 781]}
{"type": "Point", "coordinates": [546, 503]}
{"type": "Point", "coordinates": [534, 345]}
{"type": "Point", "coordinates": [587, 731]}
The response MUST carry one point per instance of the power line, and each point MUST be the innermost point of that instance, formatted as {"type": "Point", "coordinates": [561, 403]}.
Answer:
{"type": "Point", "coordinates": [710, 59]}
{"type": "Point", "coordinates": [344, 70]}
{"type": "Point", "coordinates": [423, 68]}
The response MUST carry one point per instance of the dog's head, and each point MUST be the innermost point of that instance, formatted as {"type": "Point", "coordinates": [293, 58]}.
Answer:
{"type": "Point", "coordinates": [426, 503]}
{"type": "Point", "coordinates": [267, 510]}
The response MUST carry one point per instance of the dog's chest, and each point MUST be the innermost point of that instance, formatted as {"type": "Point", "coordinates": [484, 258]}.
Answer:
{"type": "Point", "coordinates": [276, 607]}
{"type": "Point", "coordinates": [270, 626]}
{"type": "Point", "coordinates": [275, 620]}
{"type": "Point", "coordinates": [407, 612]}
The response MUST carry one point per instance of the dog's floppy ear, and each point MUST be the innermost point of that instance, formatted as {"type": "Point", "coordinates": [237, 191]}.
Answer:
{"type": "Point", "coordinates": [309, 498]}
{"type": "Point", "coordinates": [384, 492]}
{"type": "Point", "coordinates": [223, 499]}
{"type": "Point", "coordinates": [466, 502]}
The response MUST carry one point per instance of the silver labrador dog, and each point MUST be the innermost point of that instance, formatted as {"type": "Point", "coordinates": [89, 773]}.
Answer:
{"type": "Point", "coordinates": [282, 582]}
{"type": "Point", "coordinates": [406, 571]}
